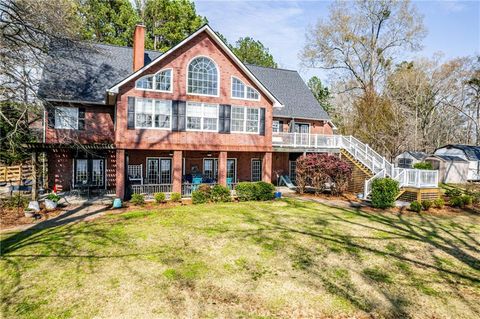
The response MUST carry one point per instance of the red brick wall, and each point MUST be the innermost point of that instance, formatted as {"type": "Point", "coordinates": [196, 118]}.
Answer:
{"type": "Point", "coordinates": [202, 45]}
{"type": "Point", "coordinates": [60, 168]}
{"type": "Point", "coordinates": [98, 127]}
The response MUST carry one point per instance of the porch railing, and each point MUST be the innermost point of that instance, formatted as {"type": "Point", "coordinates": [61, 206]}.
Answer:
{"type": "Point", "coordinates": [150, 189]}
{"type": "Point", "coordinates": [188, 188]}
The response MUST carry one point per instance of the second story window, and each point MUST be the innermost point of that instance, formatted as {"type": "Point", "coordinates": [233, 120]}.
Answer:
{"type": "Point", "coordinates": [245, 119]}
{"type": "Point", "coordinates": [202, 77]}
{"type": "Point", "coordinates": [242, 91]}
{"type": "Point", "coordinates": [150, 113]}
{"type": "Point", "coordinates": [66, 118]}
{"type": "Point", "coordinates": [161, 81]}
{"type": "Point", "coordinates": [202, 116]}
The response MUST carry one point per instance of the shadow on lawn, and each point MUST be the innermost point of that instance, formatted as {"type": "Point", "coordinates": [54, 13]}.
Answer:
{"type": "Point", "coordinates": [453, 239]}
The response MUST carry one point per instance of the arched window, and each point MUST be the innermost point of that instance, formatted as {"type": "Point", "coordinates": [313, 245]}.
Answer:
{"type": "Point", "coordinates": [242, 91]}
{"type": "Point", "coordinates": [161, 81]}
{"type": "Point", "coordinates": [202, 77]}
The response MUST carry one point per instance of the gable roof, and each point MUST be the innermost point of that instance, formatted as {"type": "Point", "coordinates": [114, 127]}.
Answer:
{"type": "Point", "coordinates": [293, 93]}
{"type": "Point", "coordinates": [418, 155]}
{"type": "Point", "coordinates": [206, 28]}
{"type": "Point", "coordinates": [83, 74]}
{"type": "Point", "coordinates": [472, 152]}
{"type": "Point", "coordinates": [449, 158]}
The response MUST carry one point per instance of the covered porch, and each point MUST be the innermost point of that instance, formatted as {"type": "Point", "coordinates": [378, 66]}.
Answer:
{"type": "Point", "coordinates": [150, 172]}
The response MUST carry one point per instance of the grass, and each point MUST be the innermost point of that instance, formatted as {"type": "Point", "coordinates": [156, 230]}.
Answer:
{"type": "Point", "coordinates": [282, 259]}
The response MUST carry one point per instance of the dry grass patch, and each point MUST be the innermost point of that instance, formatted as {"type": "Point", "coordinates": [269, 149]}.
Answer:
{"type": "Point", "coordinates": [282, 259]}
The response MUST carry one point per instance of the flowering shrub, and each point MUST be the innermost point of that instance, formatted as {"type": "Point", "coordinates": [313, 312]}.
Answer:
{"type": "Point", "coordinates": [317, 169]}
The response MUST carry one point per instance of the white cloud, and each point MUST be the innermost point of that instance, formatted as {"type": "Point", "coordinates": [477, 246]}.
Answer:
{"type": "Point", "coordinates": [453, 6]}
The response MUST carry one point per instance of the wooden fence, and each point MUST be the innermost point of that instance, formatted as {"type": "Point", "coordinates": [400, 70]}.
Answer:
{"type": "Point", "coordinates": [15, 173]}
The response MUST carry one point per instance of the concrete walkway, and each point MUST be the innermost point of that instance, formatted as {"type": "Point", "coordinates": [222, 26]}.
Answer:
{"type": "Point", "coordinates": [74, 214]}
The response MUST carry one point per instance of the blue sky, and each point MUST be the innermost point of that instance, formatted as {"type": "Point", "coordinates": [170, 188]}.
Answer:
{"type": "Point", "coordinates": [453, 26]}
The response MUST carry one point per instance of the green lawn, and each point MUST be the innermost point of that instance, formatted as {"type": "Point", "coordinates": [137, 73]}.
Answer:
{"type": "Point", "coordinates": [284, 259]}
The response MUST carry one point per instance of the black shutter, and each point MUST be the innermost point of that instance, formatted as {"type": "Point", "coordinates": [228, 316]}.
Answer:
{"type": "Point", "coordinates": [81, 118]}
{"type": "Point", "coordinates": [221, 118]}
{"type": "Point", "coordinates": [131, 113]}
{"type": "Point", "coordinates": [182, 115]}
{"type": "Point", "coordinates": [175, 115]}
{"type": "Point", "coordinates": [262, 121]}
{"type": "Point", "coordinates": [228, 112]}
{"type": "Point", "coordinates": [51, 117]}
{"type": "Point", "coordinates": [280, 126]}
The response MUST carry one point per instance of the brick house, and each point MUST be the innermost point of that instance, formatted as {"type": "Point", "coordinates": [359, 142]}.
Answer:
{"type": "Point", "coordinates": [145, 122]}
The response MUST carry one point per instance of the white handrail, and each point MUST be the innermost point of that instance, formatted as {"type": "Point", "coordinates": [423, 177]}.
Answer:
{"type": "Point", "coordinates": [362, 152]}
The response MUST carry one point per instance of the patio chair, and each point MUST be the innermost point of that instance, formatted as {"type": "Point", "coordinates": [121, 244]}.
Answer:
{"type": "Point", "coordinates": [196, 181]}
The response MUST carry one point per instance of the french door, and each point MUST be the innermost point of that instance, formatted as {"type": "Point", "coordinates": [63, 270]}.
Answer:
{"type": "Point", "coordinates": [159, 170]}
{"type": "Point", "coordinates": [89, 171]}
{"type": "Point", "coordinates": [302, 131]}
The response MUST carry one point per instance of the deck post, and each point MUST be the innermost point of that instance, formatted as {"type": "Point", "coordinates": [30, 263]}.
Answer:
{"type": "Point", "coordinates": [177, 172]}
{"type": "Point", "coordinates": [34, 176]}
{"type": "Point", "coordinates": [222, 168]}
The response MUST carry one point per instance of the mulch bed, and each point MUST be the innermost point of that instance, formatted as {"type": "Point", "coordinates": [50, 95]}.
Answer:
{"type": "Point", "coordinates": [15, 216]}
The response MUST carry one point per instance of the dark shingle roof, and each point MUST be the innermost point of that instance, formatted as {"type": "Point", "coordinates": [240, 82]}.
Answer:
{"type": "Point", "coordinates": [450, 158]}
{"type": "Point", "coordinates": [418, 155]}
{"type": "Point", "coordinates": [86, 71]}
{"type": "Point", "coordinates": [471, 152]}
{"type": "Point", "coordinates": [289, 88]}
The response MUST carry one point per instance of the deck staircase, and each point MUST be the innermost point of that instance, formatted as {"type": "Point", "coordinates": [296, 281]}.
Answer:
{"type": "Point", "coordinates": [362, 155]}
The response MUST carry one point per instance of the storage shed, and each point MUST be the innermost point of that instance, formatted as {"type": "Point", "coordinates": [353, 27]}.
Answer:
{"type": "Point", "coordinates": [470, 153]}
{"type": "Point", "coordinates": [451, 169]}
{"type": "Point", "coordinates": [409, 158]}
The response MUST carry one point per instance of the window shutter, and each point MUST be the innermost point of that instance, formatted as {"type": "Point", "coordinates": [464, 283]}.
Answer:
{"type": "Point", "coordinates": [81, 118]}
{"type": "Point", "coordinates": [182, 115]}
{"type": "Point", "coordinates": [175, 115]}
{"type": "Point", "coordinates": [51, 117]}
{"type": "Point", "coordinates": [280, 126]}
{"type": "Point", "coordinates": [221, 118]}
{"type": "Point", "coordinates": [131, 113]}
{"type": "Point", "coordinates": [227, 114]}
{"type": "Point", "coordinates": [262, 121]}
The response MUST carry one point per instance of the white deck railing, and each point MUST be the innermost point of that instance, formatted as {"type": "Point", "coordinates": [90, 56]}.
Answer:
{"type": "Point", "coordinates": [362, 152]}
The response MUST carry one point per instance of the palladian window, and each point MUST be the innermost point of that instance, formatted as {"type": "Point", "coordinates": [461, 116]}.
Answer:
{"type": "Point", "coordinates": [202, 77]}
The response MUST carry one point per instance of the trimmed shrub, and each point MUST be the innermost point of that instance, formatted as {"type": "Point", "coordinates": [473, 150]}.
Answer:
{"type": "Point", "coordinates": [423, 165]}
{"type": "Point", "coordinates": [245, 191]}
{"type": "Point", "coordinates": [453, 192]}
{"type": "Point", "coordinates": [53, 197]}
{"type": "Point", "coordinates": [384, 192]}
{"type": "Point", "coordinates": [199, 197]}
{"type": "Point", "coordinates": [220, 193]}
{"type": "Point", "coordinates": [416, 206]}
{"type": "Point", "coordinates": [160, 197]}
{"type": "Point", "coordinates": [264, 191]}
{"type": "Point", "coordinates": [205, 188]}
{"type": "Point", "coordinates": [456, 201]}
{"type": "Point", "coordinates": [467, 200]}
{"type": "Point", "coordinates": [439, 203]}
{"type": "Point", "coordinates": [427, 204]}
{"type": "Point", "coordinates": [137, 199]}
{"type": "Point", "coordinates": [175, 197]}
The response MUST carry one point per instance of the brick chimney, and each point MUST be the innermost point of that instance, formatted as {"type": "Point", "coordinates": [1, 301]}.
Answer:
{"type": "Point", "coordinates": [138, 47]}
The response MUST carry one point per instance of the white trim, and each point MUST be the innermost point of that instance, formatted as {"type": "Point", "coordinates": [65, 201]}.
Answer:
{"type": "Point", "coordinates": [245, 93]}
{"type": "Point", "coordinates": [245, 119]}
{"type": "Point", "coordinates": [55, 108]}
{"type": "Point", "coordinates": [301, 123]}
{"type": "Point", "coordinates": [208, 29]}
{"type": "Point", "coordinates": [159, 158]}
{"type": "Point", "coordinates": [154, 81]}
{"type": "Point", "coordinates": [218, 76]}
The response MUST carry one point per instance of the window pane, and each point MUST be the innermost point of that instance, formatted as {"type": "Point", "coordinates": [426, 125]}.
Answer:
{"type": "Point", "coordinates": [66, 118]}
{"type": "Point", "coordinates": [238, 119]}
{"type": "Point", "coordinates": [252, 93]}
{"type": "Point", "coordinates": [81, 171]}
{"type": "Point", "coordinates": [210, 117]}
{"type": "Point", "coordinates": [163, 80]}
{"type": "Point", "coordinates": [238, 88]}
{"type": "Point", "coordinates": [202, 77]}
{"type": "Point", "coordinates": [252, 120]}
{"type": "Point", "coordinates": [232, 169]}
{"type": "Point", "coordinates": [97, 172]}
{"type": "Point", "coordinates": [152, 171]}
{"type": "Point", "coordinates": [275, 126]}
{"type": "Point", "coordinates": [162, 113]}
{"type": "Point", "coordinates": [143, 112]}
{"type": "Point", "coordinates": [165, 171]}
{"type": "Point", "coordinates": [194, 116]}
{"type": "Point", "coordinates": [256, 170]}
{"type": "Point", "coordinates": [145, 83]}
